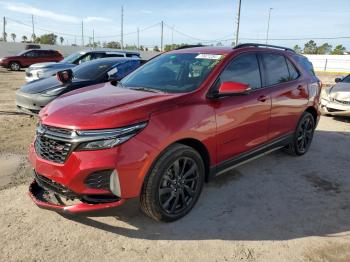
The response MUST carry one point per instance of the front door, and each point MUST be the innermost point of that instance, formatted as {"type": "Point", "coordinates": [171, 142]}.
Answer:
{"type": "Point", "coordinates": [243, 120]}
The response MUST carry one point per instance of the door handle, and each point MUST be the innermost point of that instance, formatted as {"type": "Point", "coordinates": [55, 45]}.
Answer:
{"type": "Point", "coordinates": [262, 98]}
{"type": "Point", "coordinates": [300, 88]}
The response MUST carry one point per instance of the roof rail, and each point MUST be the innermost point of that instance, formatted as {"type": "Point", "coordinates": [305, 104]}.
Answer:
{"type": "Point", "coordinates": [188, 46]}
{"type": "Point", "coordinates": [263, 45]}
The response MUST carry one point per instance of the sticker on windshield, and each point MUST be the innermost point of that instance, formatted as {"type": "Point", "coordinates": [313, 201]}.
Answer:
{"type": "Point", "coordinates": [208, 56]}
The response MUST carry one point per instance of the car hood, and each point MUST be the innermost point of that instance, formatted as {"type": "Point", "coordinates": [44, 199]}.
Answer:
{"type": "Point", "coordinates": [105, 106]}
{"type": "Point", "coordinates": [341, 91]}
{"type": "Point", "coordinates": [43, 84]}
{"type": "Point", "coordinates": [52, 65]}
{"type": "Point", "coordinates": [9, 57]}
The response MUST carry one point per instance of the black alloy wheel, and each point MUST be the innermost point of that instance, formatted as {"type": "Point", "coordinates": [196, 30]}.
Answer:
{"type": "Point", "coordinates": [173, 184]}
{"type": "Point", "coordinates": [303, 135]}
{"type": "Point", "coordinates": [178, 185]}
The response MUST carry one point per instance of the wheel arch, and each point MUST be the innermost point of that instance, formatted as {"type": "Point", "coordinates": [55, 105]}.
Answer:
{"type": "Point", "coordinates": [313, 112]}
{"type": "Point", "coordinates": [201, 149]}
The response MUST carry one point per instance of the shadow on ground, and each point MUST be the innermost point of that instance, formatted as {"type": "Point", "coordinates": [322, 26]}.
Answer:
{"type": "Point", "coordinates": [276, 197]}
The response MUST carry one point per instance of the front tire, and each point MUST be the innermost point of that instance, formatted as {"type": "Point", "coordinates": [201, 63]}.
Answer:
{"type": "Point", "coordinates": [303, 135]}
{"type": "Point", "coordinates": [174, 184]}
{"type": "Point", "coordinates": [14, 66]}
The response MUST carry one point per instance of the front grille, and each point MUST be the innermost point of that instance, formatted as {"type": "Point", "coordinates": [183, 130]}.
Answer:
{"type": "Point", "coordinates": [99, 180]}
{"type": "Point", "coordinates": [343, 102]}
{"type": "Point", "coordinates": [55, 187]}
{"type": "Point", "coordinates": [52, 149]}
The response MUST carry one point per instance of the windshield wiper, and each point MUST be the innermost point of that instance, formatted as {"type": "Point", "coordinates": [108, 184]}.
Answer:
{"type": "Point", "coordinates": [147, 89]}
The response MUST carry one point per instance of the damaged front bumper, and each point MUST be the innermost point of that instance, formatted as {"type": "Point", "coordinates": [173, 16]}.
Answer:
{"type": "Point", "coordinates": [50, 196]}
{"type": "Point", "coordinates": [340, 108]}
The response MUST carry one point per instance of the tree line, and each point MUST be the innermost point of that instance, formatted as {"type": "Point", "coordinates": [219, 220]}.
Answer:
{"type": "Point", "coordinates": [311, 48]}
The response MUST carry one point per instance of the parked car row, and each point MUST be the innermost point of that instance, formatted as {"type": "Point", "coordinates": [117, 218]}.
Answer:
{"type": "Point", "coordinates": [167, 127]}
{"type": "Point", "coordinates": [33, 96]}
{"type": "Point", "coordinates": [42, 70]}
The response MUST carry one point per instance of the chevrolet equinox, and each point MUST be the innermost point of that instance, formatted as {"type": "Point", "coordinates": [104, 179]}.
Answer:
{"type": "Point", "coordinates": [177, 121]}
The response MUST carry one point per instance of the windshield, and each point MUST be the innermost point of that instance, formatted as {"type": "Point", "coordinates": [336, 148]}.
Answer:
{"type": "Point", "coordinates": [173, 73]}
{"type": "Point", "coordinates": [71, 58]}
{"type": "Point", "coordinates": [92, 70]}
{"type": "Point", "coordinates": [22, 53]}
{"type": "Point", "coordinates": [346, 79]}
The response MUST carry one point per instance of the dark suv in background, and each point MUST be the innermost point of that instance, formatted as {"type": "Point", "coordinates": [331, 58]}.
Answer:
{"type": "Point", "coordinates": [43, 70]}
{"type": "Point", "coordinates": [29, 57]}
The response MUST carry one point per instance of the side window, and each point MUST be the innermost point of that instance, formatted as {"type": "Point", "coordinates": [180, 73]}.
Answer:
{"type": "Point", "coordinates": [306, 64]}
{"type": "Point", "coordinates": [43, 53]}
{"type": "Point", "coordinates": [31, 54]}
{"type": "Point", "coordinates": [85, 58]}
{"type": "Point", "coordinates": [276, 69]}
{"type": "Point", "coordinates": [293, 73]}
{"type": "Point", "coordinates": [98, 55]}
{"type": "Point", "coordinates": [114, 55]}
{"type": "Point", "coordinates": [127, 67]}
{"type": "Point", "coordinates": [243, 69]}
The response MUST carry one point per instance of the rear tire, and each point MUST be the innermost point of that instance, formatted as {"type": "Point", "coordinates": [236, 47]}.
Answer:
{"type": "Point", "coordinates": [174, 184]}
{"type": "Point", "coordinates": [14, 66]}
{"type": "Point", "coordinates": [303, 135]}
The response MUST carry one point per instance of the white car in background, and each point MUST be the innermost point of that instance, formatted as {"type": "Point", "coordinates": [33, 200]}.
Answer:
{"type": "Point", "coordinates": [335, 100]}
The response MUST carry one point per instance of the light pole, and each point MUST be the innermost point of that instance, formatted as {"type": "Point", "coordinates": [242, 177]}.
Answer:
{"type": "Point", "coordinates": [268, 25]}
{"type": "Point", "coordinates": [238, 21]}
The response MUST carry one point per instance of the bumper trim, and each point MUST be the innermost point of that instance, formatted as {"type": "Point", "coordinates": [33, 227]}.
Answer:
{"type": "Point", "coordinates": [36, 194]}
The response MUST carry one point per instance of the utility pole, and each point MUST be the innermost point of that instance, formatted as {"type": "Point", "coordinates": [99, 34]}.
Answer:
{"type": "Point", "coordinates": [238, 21]}
{"type": "Point", "coordinates": [138, 38]}
{"type": "Point", "coordinates": [93, 38]}
{"type": "Point", "coordinates": [4, 30]}
{"type": "Point", "coordinates": [33, 33]}
{"type": "Point", "coordinates": [82, 33]}
{"type": "Point", "coordinates": [161, 36]}
{"type": "Point", "coordinates": [172, 37]}
{"type": "Point", "coordinates": [121, 29]}
{"type": "Point", "coordinates": [268, 25]}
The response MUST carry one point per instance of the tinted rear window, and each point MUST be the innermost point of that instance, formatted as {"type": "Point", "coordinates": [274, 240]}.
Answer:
{"type": "Point", "coordinates": [306, 64]}
{"type": "Point", "coordinates": [276, 69]}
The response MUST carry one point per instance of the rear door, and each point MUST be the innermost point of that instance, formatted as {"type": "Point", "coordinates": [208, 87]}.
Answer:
{"type": "Point", "coordinates": [242, 121]}
{"type": "Point", "coordinates": [289, 93]}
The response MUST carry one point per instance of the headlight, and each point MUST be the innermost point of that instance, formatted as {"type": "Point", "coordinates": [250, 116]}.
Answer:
{"type": "Point", "coordinates": [54, 91]}
{"type": "Point", "coordinates": [108, 138]}
{"type": "Point", "coordinates": [40, 73]}
{"type": "Point", "coordinates": [324, 93]}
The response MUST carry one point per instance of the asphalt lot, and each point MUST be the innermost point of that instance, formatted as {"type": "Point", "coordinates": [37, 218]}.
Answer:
{"type": "Point", "coordinates": [276, 208]}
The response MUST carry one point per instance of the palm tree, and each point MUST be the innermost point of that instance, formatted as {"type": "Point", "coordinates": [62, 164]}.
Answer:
{"type": "Point", "coordinates": [24, 38]}
{"type": "Point", "coordinates": [13, 36]}
{"type": "Point", "coordinates": [61, 40]}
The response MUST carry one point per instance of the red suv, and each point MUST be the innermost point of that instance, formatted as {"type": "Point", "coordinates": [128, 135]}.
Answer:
{"type": "Point", "coordinates": [29, 57]}
{"type": "Point", "coordinates": [174, 123]}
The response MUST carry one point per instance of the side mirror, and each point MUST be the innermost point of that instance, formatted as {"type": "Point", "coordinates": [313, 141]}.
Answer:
{"type": "Point", "coordinates": [233, 88]}
{"type": "Point", "coordinates": [65, 76]}
{"type": "Point", "coordinates": [113, 75]}
{"type": "Point", "coordinates": [338, 79]}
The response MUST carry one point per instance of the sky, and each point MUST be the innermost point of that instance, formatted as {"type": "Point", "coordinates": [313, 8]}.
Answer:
{"type": "Point", "coordinates": [191, 21]}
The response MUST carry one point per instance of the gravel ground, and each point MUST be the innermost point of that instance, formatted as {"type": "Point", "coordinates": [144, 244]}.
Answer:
{"type": "Point", "coordinates": [276, 208]}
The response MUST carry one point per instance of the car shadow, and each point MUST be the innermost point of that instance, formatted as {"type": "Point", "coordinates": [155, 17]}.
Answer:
{"type": "Point", "coordinates": [276, 197]}
{"type": "Point", "coordinates": [345, 119]}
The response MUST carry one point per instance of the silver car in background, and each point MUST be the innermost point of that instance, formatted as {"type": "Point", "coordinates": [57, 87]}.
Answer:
{"type": "Point", "coordinates": [44, 70]}
{"type": "Point", "coordinates": [335, 100]}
